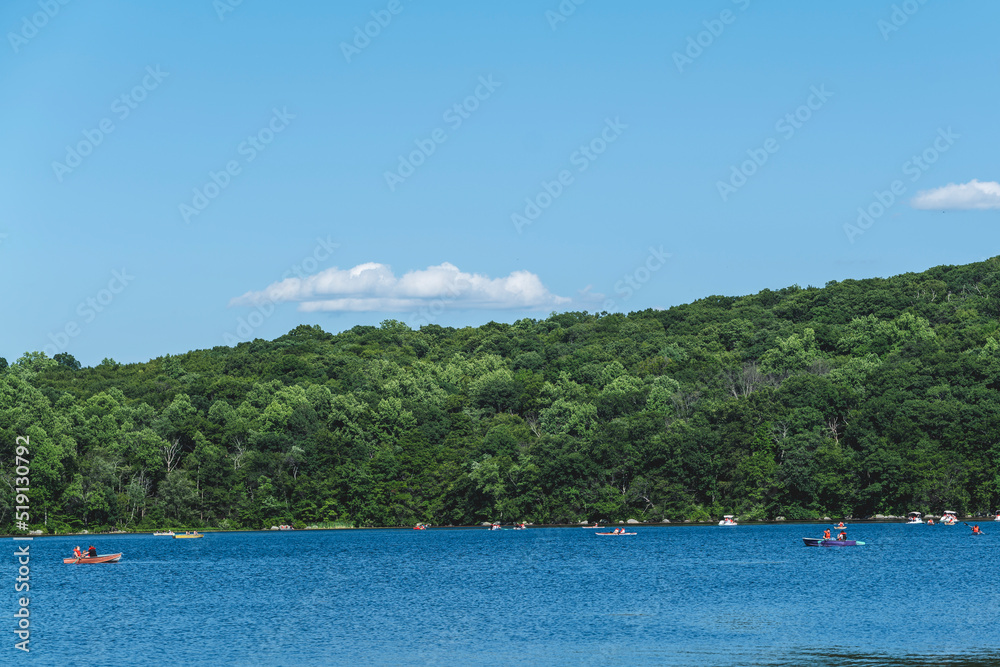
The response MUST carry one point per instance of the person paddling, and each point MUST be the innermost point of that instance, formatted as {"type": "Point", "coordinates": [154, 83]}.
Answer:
{"type": "Point", "coordinates": [975, 530]}
{"type": "Point", "coordinates": [77, 552]}
{"type": "Point", "coordinates": [92, 552]}
{"type": "Point", "coordinates": [826, 534]}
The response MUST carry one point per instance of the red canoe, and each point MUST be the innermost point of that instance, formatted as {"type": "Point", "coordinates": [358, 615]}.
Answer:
{"type": "Point", "coordinates": [106, 558]}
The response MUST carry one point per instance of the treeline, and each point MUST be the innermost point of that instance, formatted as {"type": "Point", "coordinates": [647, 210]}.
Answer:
{"type": "Point", "coordinates": [862, 397]}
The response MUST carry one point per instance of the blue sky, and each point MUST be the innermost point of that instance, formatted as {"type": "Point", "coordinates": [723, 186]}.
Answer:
{"type": "Point", "coordinates": [182, 175]}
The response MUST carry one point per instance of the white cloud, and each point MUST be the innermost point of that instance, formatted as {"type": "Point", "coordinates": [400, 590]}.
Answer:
{"type": "Point", "coordinates": [374, 287]}
{"type": "Point", "coordinates": [972, 195]}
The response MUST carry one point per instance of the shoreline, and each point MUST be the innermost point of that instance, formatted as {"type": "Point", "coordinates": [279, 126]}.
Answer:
{"type": "Point", "coordinates": [682, 524]}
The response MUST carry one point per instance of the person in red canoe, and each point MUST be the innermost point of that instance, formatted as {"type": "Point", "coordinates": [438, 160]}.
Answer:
{"type": "Point", "coordinates": [92, 552]}
{"type": "Point", "coordinates": [826, 534]}
{"type": "Point", "coordinates": [77, 552]}
{"type": "Point", "coordinates": [975, 529]}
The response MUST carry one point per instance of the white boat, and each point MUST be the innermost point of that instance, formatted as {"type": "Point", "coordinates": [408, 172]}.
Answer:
{"type": "Point", "coordinates": [169, 533]}
{"type": "Point", "coordinates": [997, 518]}
{"type": "Point", "coordinates": [949, 518]}
{"type": "Point", "coordinates": [728, 520]}
{"type": "Point", "coordinates": [913, 518]}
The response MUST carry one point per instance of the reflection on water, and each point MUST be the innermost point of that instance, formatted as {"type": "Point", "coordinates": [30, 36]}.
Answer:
{"type": "Point", "coordinates": [847, 659]}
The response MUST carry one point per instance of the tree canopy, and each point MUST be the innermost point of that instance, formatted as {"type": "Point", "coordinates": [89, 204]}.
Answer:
{"type": "Point", "coordinates": [861, 397]}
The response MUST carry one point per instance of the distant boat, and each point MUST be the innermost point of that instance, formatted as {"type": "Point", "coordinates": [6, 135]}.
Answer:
{"type": "Point", "coordinates": [169, 533]}
{"type": "Point", "coordinates": [106, 558]}
{"type": "Point", "coordinates": [728, 520]}
{"type": "Point", "coordinates": [820, 542]}
{"type": "Point", "coordinates": [997, 518]}
{"type": "Point", "coordinates": [949, 518]}
{"type": "Point", "coordinates": [187, 536]}
{"type": "Point", "coordinates": [913, 518]}
{"type": "Point", "coordinates": [420, 526]}
{"type": "Point", "coordinates": [615, 533]}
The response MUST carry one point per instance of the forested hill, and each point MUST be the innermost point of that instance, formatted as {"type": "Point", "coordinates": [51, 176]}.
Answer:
{"type": "Point", "coordinates": [863, 397]}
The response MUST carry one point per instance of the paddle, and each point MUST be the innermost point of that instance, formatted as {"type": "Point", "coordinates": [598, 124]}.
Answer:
{"type": "Point", "coordinates": [979, 533]}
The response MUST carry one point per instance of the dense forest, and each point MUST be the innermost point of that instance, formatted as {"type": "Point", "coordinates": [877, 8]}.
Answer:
{"type": "Point", "coordinates": [861, 397]}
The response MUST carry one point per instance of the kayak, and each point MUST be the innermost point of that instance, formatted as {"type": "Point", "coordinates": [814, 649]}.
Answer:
{"type": "Point", "coordinates": [106, 558]}
{"type": "Point", "coordinates": [187, 537]}
{"type": "Point", "coordinates": [820, 542]}
{"type": "Point", "coordinates": [614, 533]}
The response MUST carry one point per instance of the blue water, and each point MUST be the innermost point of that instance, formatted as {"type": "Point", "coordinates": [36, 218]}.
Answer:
{"type": "Point", "coordinates": [679, 595]}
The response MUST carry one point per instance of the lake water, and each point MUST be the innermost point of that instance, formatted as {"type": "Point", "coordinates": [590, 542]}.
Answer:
{"type": "Point", "coordinates": [678, 595]}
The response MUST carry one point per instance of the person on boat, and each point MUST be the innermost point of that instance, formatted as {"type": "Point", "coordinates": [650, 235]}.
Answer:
{"type": "Point", "coordinates": [840, 525]}
{"type": "Point", "coordinates": [842, 536]}
{"type": "Point", "coordinates": [77, 552]}
{"type": "Point", "coordinates": [826, 534]}
{"type": "Point", "coordinates": [975, 530]}
{"type": "Point", "coordinates": [92, 552]}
